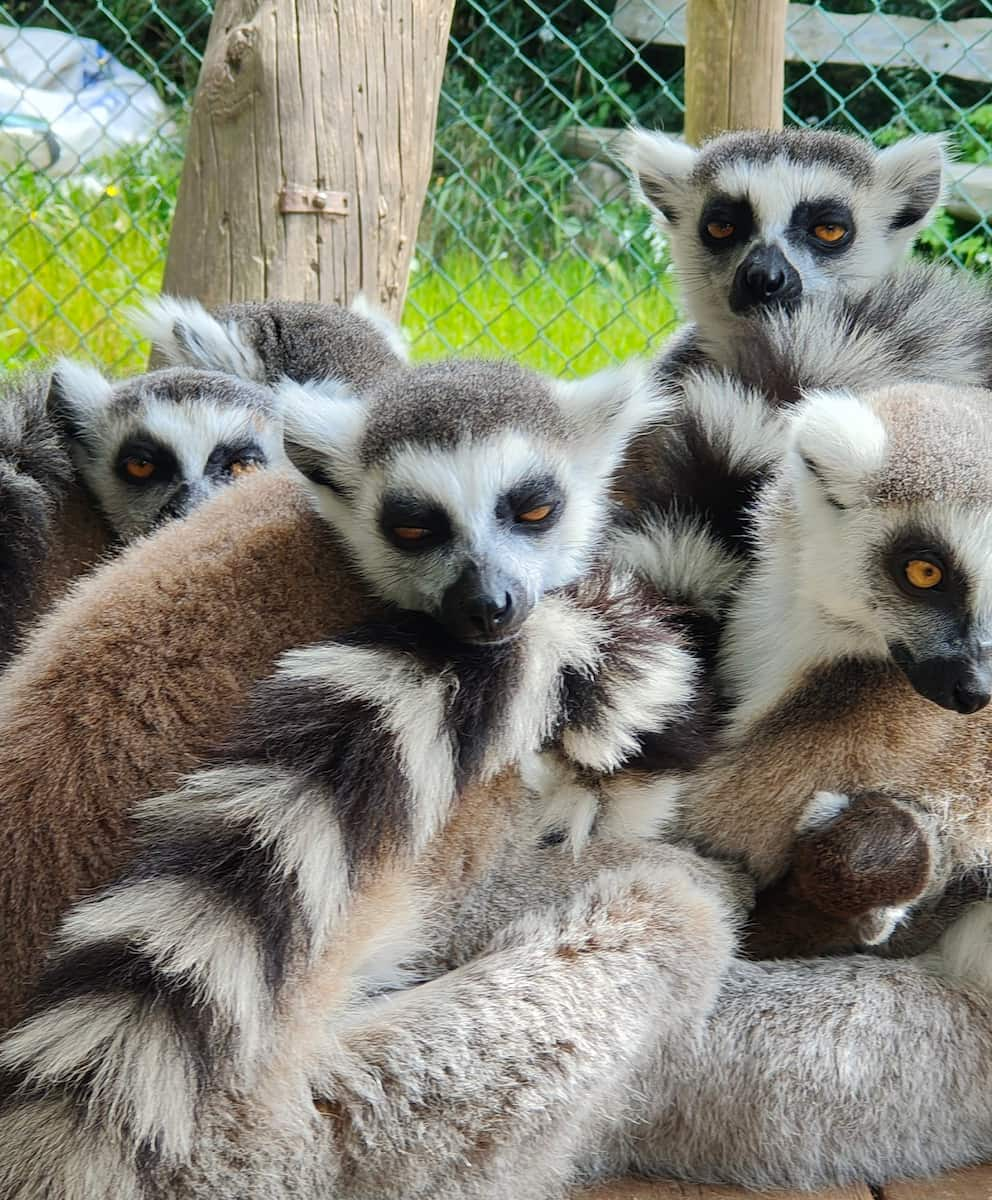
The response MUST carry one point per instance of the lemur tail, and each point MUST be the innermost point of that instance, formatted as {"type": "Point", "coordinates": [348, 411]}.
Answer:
{"type": "Point", "coordinates": [244, 910]}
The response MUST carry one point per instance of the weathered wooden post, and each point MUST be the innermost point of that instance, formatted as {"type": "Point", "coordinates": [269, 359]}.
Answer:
{"type": "Point", "coordinates": [734, 66]}
{"type": "Point", "coordinates": [310, 150]}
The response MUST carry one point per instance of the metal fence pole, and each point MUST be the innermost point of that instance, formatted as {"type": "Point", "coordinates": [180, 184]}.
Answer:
{"type": "Point", "coordinates": [734, 66]}
{"type": "Point", "coordinates": [309, 152]}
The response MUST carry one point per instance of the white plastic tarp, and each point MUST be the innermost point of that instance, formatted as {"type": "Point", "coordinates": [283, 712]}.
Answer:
{"type": "Point", "coordinates": [65, 100]}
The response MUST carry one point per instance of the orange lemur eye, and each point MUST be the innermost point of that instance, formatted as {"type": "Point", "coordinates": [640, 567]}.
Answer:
{"type": "Point", "coordinates": [534, 515]}
{"type": "Point", "coordinates": [243, 466]}
{"type": "Point", "coordinates": [922, 573]}
{"type": "Point", "coordinates": [139, 468]}
{"type": "Point", "coordinates": [410, 533]}
{"type": "Point", "coordinates": [829, 232]}
{"type": "Point", "coordinates": [720, 229]}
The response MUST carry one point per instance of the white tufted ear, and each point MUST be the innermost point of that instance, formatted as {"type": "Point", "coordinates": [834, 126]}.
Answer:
{"type": "Point", "coordinates": [77, 393]}
{"type": "Point", "coordinates": [323, 424]}
{"type": "Point", "coordinates": [661, 166]}
{"type": "Point", "coordinates": [396, 339]}
{"type": "Point", "coordinates": [840, 441]}
{"type": "Point", "coordinates": [606, 410]}
{"type": "Point", "coordinates": [909, 180]}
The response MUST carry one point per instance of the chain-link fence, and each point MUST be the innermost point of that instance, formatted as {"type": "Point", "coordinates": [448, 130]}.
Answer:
{"type": "Point", "coordinates": [529, 244]}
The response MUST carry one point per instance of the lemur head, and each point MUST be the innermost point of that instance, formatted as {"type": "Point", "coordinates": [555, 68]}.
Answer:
{"type": "Point", "coordinates": [892, 492]}
{"type": "Point", "coordinates": [465, 490]}
{"type": "Point", "coordinates": [761, 219]}
{"type": "Point", "coordinates": [152, 448]}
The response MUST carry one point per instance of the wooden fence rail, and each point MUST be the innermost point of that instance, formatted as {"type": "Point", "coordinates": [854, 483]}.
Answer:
{"type": "Point", "coordinates": [959, 48]}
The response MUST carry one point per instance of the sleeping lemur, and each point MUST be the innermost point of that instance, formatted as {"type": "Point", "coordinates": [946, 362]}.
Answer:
{"type": "Point", "coordinates": [225, 1022]}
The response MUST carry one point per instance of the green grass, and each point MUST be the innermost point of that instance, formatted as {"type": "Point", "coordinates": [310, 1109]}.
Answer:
{"type": "Point", "coordinates": [77, 255]}
{"type": "Point", "coordinates": [572, 316]}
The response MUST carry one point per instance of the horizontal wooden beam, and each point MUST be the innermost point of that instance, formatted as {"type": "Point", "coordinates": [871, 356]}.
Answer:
{"type": "Point", "coordinates": [959, 48]}
{"type": "Point", "coordinates": [969, 194]}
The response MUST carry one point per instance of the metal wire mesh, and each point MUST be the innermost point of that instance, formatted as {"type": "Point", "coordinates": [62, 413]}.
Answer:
{"type": "Point", "coordinates": [529, 243]}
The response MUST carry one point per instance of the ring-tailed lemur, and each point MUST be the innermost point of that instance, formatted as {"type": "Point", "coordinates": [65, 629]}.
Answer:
{"type": "Point", "coordinates": [463, 491]}
{"type": "Point", "coordinates": [843, 312]}
{"type": "Point", "coordinates": [759, 221]}
{"type": "Point", "coordinates": [269, 340]}
{"type": "Point", "coordinates": [151, 448]}
{"type": "Point", "coordinates": [692, 484]}
{"type": "Point", "coordinates": [858, 652]}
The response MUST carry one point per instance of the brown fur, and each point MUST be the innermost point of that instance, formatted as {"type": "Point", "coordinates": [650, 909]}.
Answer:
{"type": "Point", "coordinates": [876, 853]}
{"type": "Point", "coordinates": [81, 540]}
{"type": "Point", "coordinates": [137, 672]}
{"type": "Point", "coordinates": [845, 730]}
{"type": "Point", "coordinates": [851, 730]}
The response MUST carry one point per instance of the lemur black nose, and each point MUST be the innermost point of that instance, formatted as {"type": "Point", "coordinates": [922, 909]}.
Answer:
{"type": "Point", "coordinates": [970, 697]}
{"type": "Point", "coordinates": [490, 613]}
{"type": "Point", "coordinates": [765, 277]}
{"type": "Point", "coordinates": [483, 606]}
{"type": "Point", "coordinates": [763, 282]}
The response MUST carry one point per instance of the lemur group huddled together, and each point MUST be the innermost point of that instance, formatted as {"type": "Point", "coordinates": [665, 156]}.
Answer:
{"type": "Point", "coordinates": [517, 782]}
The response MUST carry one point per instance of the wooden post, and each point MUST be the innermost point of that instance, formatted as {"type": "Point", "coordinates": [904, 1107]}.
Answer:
{"type": "Point", "coordinates": [310, 150]}
{"type": "Point", "coordinates": [734, 66]}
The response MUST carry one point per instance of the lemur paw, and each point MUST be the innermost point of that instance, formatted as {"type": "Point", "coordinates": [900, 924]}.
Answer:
{"type": "Point", "coordinates": [864, 858]}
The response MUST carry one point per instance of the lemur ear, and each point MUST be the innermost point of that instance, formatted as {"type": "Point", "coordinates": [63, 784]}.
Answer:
{"type": "Point", "coordinates": [661, 166]}
{"type": "Point", "coordinates": [185, 334]}
{"type": "Point", "coordinates": [323, 423]}
{"type": "Point", "coordinates": [838, 441]}
{"type": "Point", "coordinates": [76, 393]}
{"type": "Point", "coordinates": [396, 339]}
{"type": "Point", "coordinates": [608, 409]}
{"type": "Point", "coordinates": [910, 177]}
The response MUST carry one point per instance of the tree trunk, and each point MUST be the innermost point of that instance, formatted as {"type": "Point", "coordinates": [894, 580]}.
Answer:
{"type": "Point", "coordinates": [310, 150]}
{"type": "Point", "coordinates": [734, 66]}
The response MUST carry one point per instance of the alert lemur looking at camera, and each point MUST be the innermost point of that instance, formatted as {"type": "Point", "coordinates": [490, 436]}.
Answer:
{"type": "Point", "coordinates": [278, 888]}
{"type": "Point", "coordinates": [858, 653]}
{"type": "Point", "coordinates": [132, 454]}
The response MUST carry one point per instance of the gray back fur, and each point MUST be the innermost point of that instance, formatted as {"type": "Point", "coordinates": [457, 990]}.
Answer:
{"type": "Point", "coordinates": [269, 340]}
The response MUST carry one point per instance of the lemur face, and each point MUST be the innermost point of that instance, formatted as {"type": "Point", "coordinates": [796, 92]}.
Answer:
{"type": "Point", "coordinates": [465, 490]}
{"type": "Point", "coordinates": [895, 506]}
{"type": "Point", "coordinates": [758, 220]}
{"type": "Point", "coordinates": [151, 449]}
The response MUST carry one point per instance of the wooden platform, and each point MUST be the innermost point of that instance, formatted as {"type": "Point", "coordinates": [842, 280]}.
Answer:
{"type": "Point", "coordinates": [974, 1184]}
